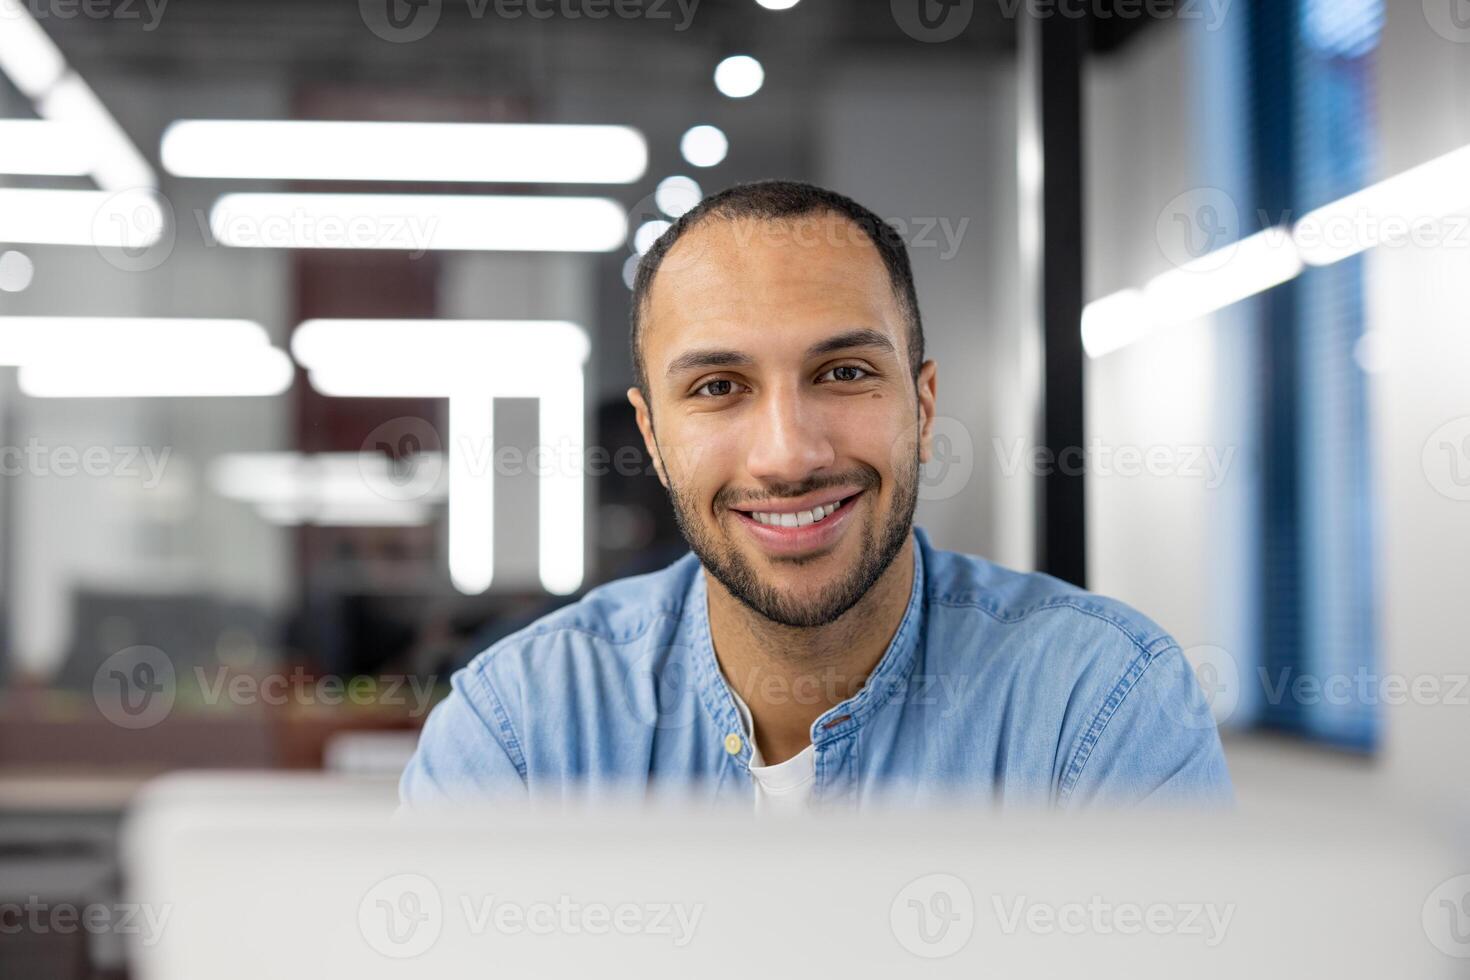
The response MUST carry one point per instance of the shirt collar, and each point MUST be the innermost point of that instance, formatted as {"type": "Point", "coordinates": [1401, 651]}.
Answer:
{"type": "Point", "coordinates": [888, 677]}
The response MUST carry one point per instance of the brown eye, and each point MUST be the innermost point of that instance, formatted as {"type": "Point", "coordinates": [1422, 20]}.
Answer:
{"type": "Point", "coordinates": [847, 372]}
{"type": "Point", "coordinates": [715, 388]}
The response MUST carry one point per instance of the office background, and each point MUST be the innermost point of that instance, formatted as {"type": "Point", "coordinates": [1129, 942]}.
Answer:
{"type": "Point", "coordinates": [1277, 417]}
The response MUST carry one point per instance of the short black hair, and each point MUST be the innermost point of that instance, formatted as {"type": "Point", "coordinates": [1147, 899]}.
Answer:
{"type": "Point", "coordinates": [774, 200]}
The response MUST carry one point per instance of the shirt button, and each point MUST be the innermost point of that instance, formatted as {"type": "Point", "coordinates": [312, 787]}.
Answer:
{"type": "Point", "coordinates": [733, 744]}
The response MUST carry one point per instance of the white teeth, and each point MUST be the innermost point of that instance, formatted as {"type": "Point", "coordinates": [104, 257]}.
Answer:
{"type": "Point", "coordinates": [799, 519]}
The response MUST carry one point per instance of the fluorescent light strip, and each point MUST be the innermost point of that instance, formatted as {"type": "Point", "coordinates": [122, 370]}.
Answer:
{"type": "Point", "coordinates": [438, 354]}
{"type": "Point", "coordinates": [519, 153]}
{"type": "Point", "coordinates": [117, 164]}
{"type": "Point", "coordinates": [41, 147]}
{"type": "Point", "coordinates": [471, 363]}
{"type": "Point", "coordinates": [1366, 218]}
{"type": "Point", "coordinates": [1383, 213]}
{"type": "Point", "coordinates": [1223, 277]}
{"type": "Point", "coordinates": [124, 357]}
{"type": "Point", "coordinates": [66, 217]}
{"type": "Point", "coordinates": [66, 339]}
{"type": "Point", "coordinates": [471, 493]}
{"type": "Point", "coordinates": [561, 518]}
{"type": "Point", "coordinates": [418, 223]}
{"type": "Point", "coordinates": [326, 489]}
{"type": "Point", "coordinates": [1196, 289]}
{"type": "Point", "coordinates": [28, 56]}
{"type": "Point", "coordinates": [261, 371]}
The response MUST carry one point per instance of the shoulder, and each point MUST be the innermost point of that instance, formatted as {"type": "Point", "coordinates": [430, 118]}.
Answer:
{"type": "Point", "coordinates": [1069, 654]}
{"type": "Point", "coordinates": [1047, 611]}
{"type": "Point", "coordinates": [608, 631]}
{"type": "Point", "coordinates": [1113, 684]}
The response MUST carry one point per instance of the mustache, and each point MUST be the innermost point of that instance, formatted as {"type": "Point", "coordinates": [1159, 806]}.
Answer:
{"type": "Point", "coordinates": [732, 497]}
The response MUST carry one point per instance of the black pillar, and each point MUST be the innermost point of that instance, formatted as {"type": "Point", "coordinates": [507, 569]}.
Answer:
{"type": "Point", "coordinates": [1052, 44]}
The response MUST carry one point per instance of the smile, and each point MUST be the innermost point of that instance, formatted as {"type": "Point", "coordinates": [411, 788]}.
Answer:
{"type": "Point", "coordinates": [791, 532]}
{"type": "Point", "coordinates": [800, 518]}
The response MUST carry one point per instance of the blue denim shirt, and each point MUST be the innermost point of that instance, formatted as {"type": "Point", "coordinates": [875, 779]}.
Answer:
{"type": "Point", "coordinates": [1000, 686]}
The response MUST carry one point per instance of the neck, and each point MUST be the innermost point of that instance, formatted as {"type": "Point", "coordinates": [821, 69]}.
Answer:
{"type": "Point", "coordinates": [790, 676]}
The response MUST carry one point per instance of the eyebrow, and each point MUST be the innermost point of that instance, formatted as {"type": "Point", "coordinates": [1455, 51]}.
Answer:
{"type": "Point", "coordinates": [862, 337]}
{"type": "Point", "coordinates": [848, 339]}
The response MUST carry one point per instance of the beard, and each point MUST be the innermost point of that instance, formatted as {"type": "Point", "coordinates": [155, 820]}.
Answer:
{"type": "Point", "coordinates": [881, 538]}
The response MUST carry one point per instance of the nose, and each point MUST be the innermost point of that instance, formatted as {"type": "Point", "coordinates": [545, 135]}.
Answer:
{"type": "Point", "coordinates": [790, 439]}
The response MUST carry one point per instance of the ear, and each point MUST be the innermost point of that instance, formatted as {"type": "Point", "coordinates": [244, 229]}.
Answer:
{"type": "Point", "coordinates": [928, 383]}
{"type": "Point", "coordinates": [645, 427]}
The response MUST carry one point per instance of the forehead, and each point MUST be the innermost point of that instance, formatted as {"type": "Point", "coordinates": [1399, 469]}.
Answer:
{"type": "Point", "coordinates": [743, 281]}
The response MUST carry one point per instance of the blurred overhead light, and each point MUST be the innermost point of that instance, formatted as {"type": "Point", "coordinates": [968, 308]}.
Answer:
{"type": "Point", "coordinates": [777, 4]}
{"type": "Point", "coordinates": [36, 146]}
{"type": "Point", "coordinates": [739, 76]}
{"type": "Point", "coordinates": [116, 163]}
{"type": "Point", "coordinates": [1114, 322]}
{"type": "Point", "coordinates": [65, 217]}
{"type": "Point", "coordinates": [16, 271]}
{"type": "Point", "coordinates": [1197, 288]}
{"type": "Point", "coordinates": [1387, 212]}
{"type": "Point", "coordinates": [630, 269]}
{"type": "Point", "coordinates": [676, 195]}
{"type": "Point", "coordinates": [647, 234]}
{"type": "Point", "coordinates": [704, 146]}
{"type": "Point", "coordinates": [226, 374]}
{"type": "Point", "coordinates": [125, 357]}
{"type": "Point", "coordinates": [1225, 276]}
{"type": "Point", "coordinates": [28, 56]}
{"type": "Point", "coordinates": [329, 489]}
{"type": "Point", "coordinates": [473, 362]}
{"type": "Point", "coordinates": [34, 64]}
{"type": "Point", "coordinates": [518, 153]}
{"type": "Point", "coordinates": [417, 223]}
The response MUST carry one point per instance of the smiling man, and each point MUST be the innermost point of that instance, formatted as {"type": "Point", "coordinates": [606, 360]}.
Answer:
{"type": "Point", "coordinates": [815, 649]}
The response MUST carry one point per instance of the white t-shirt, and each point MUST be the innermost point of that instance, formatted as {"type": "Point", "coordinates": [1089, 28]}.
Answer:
{"type": "Point", "coordinates": [785, 787]}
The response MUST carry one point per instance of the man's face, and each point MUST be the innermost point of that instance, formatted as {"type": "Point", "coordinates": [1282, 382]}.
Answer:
{"type": "Point", "coordinates": [784, 418]}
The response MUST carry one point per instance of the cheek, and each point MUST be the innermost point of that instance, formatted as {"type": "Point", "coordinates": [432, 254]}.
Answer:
{"type": "Point", "coordinates": [872, 431]}
{"type": "Point", "coordinates": [699, 459]}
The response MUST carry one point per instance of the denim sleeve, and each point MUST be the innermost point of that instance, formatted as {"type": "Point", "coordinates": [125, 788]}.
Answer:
{"type": "Point", "coordinates": [1152, 742]}
{"type": "Point", "coordinates": [468, 749]}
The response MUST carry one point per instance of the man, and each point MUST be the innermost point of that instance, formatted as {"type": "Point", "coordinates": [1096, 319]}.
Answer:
{"type": "Point", "coordinates": [814, 649]}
